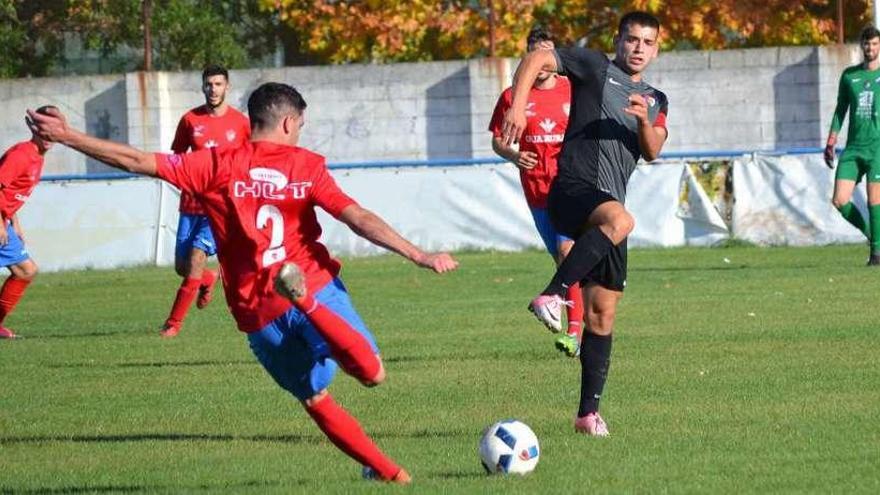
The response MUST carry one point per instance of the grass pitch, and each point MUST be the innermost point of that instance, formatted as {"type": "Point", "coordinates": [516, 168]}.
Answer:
{"type": "Point", "coordinates": [734, 370]}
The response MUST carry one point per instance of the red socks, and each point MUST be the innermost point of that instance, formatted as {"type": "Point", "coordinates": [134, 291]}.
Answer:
{"type": "Point", "coordinates": [575, 313]}
{"type": "Point", "coordinates": [208, 278]}
{"type": "Point", "coordinates": [187, 292]}
{"type": "Point", "coordinates": [350, 349]}
{"type": "Point", "coordinates": [345, 432]}
{"type": "Point", "coordinates": [10, 294]}
{"type": "Point", "coordinates": [206, 288]}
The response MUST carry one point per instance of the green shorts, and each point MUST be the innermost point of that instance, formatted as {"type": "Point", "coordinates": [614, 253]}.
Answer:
{"type": "Point", "coordinates": [855, 163]}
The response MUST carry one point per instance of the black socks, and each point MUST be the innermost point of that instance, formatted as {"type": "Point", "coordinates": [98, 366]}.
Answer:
{"type": "Point", "coordinates": [587, 251]}
{"type": "Point", "coordinates": [595, 359]}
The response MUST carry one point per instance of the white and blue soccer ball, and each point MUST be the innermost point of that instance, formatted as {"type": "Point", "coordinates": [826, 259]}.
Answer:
{"type": "Point", "coordinates": [509, 446]}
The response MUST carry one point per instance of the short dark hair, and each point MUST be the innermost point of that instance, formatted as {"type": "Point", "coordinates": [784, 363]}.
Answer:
{"type": "Point", "coordinates": [536, 35]}
{"type": "Point", "coordinates": [638, 17]}
{"type": "Point", "coordinates": [271, 102]}
{"type": "Point", "coordinates": [214, 70]}
{"type": "Point", "coordinates": [869, 33]}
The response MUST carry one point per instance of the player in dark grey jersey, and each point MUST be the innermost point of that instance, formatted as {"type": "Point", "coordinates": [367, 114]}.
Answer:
{"type": "Point", "coordinates": [615, 119]}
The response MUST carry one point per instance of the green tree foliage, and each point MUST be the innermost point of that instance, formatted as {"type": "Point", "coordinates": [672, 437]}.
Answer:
{"type": "Point", "coordinates": [187, 34]}
{"type": "Point", "coordinates": [28, 39]}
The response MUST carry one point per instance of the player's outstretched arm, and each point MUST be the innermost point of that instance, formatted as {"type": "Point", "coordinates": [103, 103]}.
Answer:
{"type": "Point", "coordinates": [515, 120]}
{"type": "Point", "coordinates": [368, 225]}
{"type": "Point", "coordinates": [52, 126]}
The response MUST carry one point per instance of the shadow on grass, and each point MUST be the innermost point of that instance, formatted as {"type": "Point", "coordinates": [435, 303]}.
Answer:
{"type": "Point", "coordinates": [52, 336]}
{"type": "Point", "coordinates": [226, 487]}
{"type": "Point", "coordinates": [210, 437]}
{"type": "Point", "coordinates": [158, 364]}
{"type": "Point", "coordinates": [421, 434]}
{"type": "Point", "coordinates": [523, 355]}
{"type": "Point", "coordinates": [162, 364]}
{"type": "Point", "coordinates": [159, 437]}
{"type": "Point", "coordinates": [81, 489]}
{"type": "Point", "coordinates": [460, 475]}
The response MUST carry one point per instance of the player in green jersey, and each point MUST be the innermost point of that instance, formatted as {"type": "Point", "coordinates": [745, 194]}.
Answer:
{"type": "Point", "coordinates": [859, 93]}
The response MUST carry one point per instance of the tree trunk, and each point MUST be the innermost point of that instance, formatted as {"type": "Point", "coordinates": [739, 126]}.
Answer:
{"type": "Point", "coordinates": [148, 35]}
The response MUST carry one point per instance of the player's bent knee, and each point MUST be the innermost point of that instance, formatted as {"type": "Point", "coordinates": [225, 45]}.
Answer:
{"type": "Point", "coordinates": [620, 227]}
{"type": "Point", "coordinates": [625, 224]}
{"type": "Point", "coordinates": [311, 401]}
{"type": "Point", "coordinates": [198, 257]}
{"type": "Point", "coordinates": [26, 271]}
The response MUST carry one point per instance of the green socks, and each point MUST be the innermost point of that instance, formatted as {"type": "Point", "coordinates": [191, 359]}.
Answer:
{"type": "Point", "coordinates": [874, 212]}
{"type": "Point", "coordinates": [851, 214]}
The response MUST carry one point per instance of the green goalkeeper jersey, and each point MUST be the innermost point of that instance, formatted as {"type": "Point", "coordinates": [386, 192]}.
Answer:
{"type": "Point", "coordinates": [859, 92]}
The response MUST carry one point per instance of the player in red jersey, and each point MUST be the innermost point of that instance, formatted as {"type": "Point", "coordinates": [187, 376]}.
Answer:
{"type": "Point", "coordinates": [20, 170]}
{"type": "Point", "coordinates": [214, 124]}
{"type": "Point", "coordinates": [547, 119]}
{"type": "Point", "coordinates": [260, 199]}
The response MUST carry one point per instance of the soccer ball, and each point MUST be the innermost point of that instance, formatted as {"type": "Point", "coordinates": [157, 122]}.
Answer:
{"type": "Point", "coordinates": [509, 446]}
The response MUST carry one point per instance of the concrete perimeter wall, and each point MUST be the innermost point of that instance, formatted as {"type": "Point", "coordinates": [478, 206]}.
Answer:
{"type": "Point", "coordinates": [767, 98]}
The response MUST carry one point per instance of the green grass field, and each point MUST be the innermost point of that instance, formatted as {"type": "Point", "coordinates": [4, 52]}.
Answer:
{"type": "Point", "coordinates": [734, 370]}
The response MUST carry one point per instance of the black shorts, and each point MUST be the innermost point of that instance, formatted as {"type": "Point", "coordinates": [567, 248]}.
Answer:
{"type": "Point", "coordinates": [569, 212]}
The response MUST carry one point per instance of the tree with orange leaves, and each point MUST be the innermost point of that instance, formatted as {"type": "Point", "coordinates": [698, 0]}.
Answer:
{"type": "Point", "coordinates": [396, 30]}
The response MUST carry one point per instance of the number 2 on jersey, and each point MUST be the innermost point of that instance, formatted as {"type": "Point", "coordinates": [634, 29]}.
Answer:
{"type": "Point", "coordinates": [275, 252]}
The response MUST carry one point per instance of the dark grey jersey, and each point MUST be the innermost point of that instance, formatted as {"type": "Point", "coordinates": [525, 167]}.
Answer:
{"type": "Point", "coordinates": [601, 146]}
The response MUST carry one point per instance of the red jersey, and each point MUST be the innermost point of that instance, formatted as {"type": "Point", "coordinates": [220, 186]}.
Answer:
{"type": "Point", "coordinates": [199, 129]}
{"type": "Point", "coordinates": [260, 199]}
{"type": "Point", "coordinates": [20, 169]}
{"type": "Point", "coordinates": [546, 120]}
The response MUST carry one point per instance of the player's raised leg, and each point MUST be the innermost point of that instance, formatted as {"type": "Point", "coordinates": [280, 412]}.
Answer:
{"type": "Point", "coordinates": [349, 347]}
{"type": "Point", "coordinates": [607, 226]}
{"type": "Point", "coordinates": [295, 353]}
{"type": "Point", "coordinates": [558, 246]}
